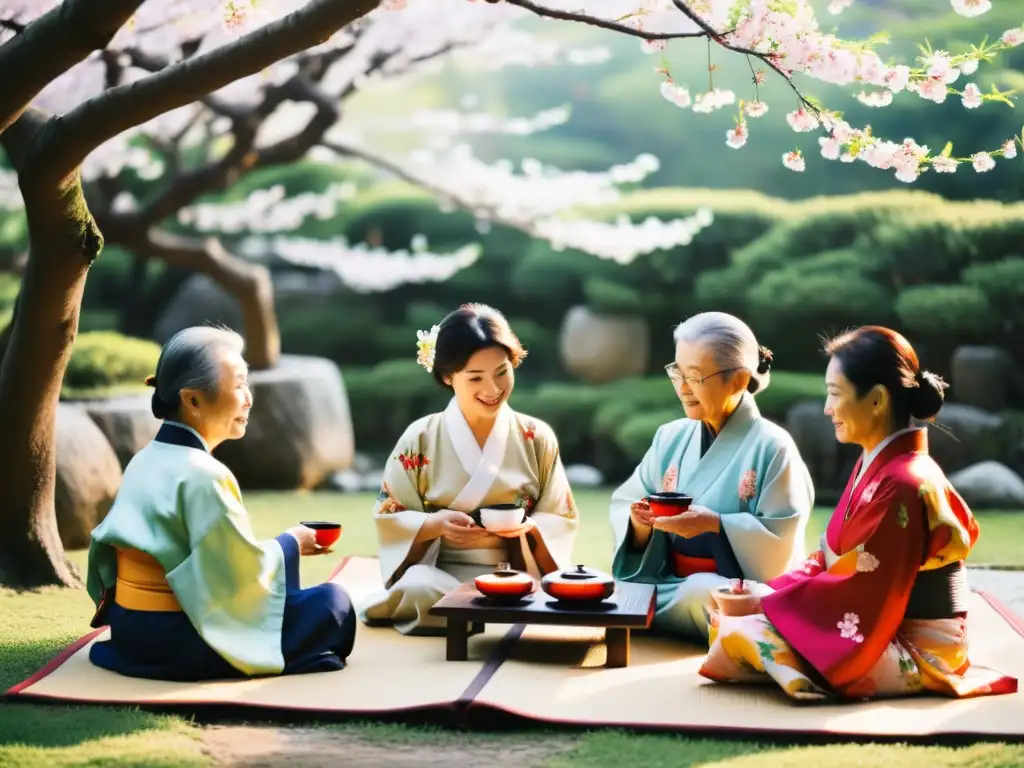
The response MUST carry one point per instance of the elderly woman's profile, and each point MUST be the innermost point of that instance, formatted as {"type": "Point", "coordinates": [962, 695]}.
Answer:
{"type": "Point", "coordinates": [175, 570]}
{"type": "Point", "coordinates": [751, 492]}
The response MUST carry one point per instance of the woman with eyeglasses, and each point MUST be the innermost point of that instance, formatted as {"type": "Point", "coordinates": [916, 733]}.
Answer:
{"type": "Point", "coordinates": [752, 493]}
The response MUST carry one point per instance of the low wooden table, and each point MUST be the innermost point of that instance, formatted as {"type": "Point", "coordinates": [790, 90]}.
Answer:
{"type": "Point", "coordinates": [631, 606]}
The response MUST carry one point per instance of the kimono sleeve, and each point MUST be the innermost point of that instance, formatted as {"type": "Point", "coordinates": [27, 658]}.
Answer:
{"type": "Point", "coordinates": [770, 540]}
{"type": "Point", "coordinates": [399, 511]}
{"type": "Point", "coordinates": [842, 620]}
{"type": "Point", "coordinates": [231, 586]}
{"type": "Point", "coordinates": [645, 480]}
{"type": "Point", "coordinates": [555, 513]}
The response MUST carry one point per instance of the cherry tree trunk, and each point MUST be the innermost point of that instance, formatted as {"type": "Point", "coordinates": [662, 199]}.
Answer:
{"type": "Point", "coordinates": [63, 242]}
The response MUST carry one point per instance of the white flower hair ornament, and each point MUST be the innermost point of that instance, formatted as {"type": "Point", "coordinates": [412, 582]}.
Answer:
{"type": "Point", "coordinates": [425, 343]}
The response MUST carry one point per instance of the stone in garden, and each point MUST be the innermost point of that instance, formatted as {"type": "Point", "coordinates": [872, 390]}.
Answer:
{"type": "Point", "coordinates": [981, 376]}
{"type": "Point", "coordinates": [584, 476]}
{"type": "Point", "coordinates": [199, 301]}
{"type": "Point", "coordinates": [127, 422]}
{"type": "Point", "coordinates": [600, 348]}
{"type": "Point", "coordinates": [346, 481]}
{"type": "Point", "coordinates": [976, 436]}
{"type": "Point", "coordinates": [989, 485]}
{"type": "Point", "coordinates": [829, 461]}
{"type": "Point", "coordinates": [88, 475]}
{"type": "Point", "coordinates": [300, 427]}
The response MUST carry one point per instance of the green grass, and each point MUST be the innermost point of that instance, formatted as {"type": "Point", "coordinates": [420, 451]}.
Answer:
{"type": "Point", "coordinates": [37, 625]}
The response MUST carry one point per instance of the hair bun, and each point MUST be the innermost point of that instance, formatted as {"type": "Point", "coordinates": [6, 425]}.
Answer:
{"type": "Point", "coordinates": [151, 381]}
{"type": "Point", "coordinates": [927, 397]}
{"type": "Point", "coordinates": [764, 359]}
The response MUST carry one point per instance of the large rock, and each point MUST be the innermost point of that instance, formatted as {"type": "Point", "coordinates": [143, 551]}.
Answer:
{"type": "Point", "coordinates": [982, 377]}
{"type": "Point", "coordinates": [88, 475]}
{"type": "Point", "coordinates": [829, 461]}
{"type": "Point", "coordinates": [966, 435]}
{"type": "Point", "coordinates": [127, 422]}
{"type": "Point", "coordinates": [300, 427]}
{"type": "Point", "coordinates": [199, 301]}
{"type": "Point", "coordinates": [990, 484]}
{"type": "Point", "coordinates": [600, 348]}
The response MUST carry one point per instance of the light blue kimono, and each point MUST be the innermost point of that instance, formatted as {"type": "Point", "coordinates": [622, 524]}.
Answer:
{"type": "Point", "coordinates": [752, 475]}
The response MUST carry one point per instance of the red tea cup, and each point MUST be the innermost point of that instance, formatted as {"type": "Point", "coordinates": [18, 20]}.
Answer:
{"type": "Point", "coordinates": [669, 503]}
{"type": "Point", "coordinates": [326, 533]}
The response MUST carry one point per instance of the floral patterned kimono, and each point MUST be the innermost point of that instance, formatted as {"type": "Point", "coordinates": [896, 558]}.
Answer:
{"type": "Point", "coordinates": [438, 465]}
{"type": "Point", "coordinates": [753, 476]}
{"type": "Point", "coordinates": [880, 609]}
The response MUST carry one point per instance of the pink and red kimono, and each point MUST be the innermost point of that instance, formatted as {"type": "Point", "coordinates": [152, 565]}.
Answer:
{"type": "Point", "coordinates": [880, 609]}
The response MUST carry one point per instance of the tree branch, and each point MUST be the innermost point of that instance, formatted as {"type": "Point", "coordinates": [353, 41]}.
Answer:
{"type": "Point", "coordinates": [51, 45]}
{"type": "Point", "coordinates": [582, 18]}
{"type": "Point", "coordinates": [118, 109]}
{"type": "Point", "coordinates": [248, 283]}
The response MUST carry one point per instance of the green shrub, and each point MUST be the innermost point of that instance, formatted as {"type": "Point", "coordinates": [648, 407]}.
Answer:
{"type": "Point", "coordinates": [105, 360]}
{"type": "Point", "coordinates": [568, 408]}
{"type": "Point", "coordinates": [388, 397]}
{"type": "Point", "coordinates": [636, 433]}
{"type": "Point", "coordinates": [946, 310]}
{"type": "Point", "coordinates": [1002, 282]}
{"type": "Point", "coordinates": [786, 389]}
{"type": "Point", "coordinates": [608, 297]}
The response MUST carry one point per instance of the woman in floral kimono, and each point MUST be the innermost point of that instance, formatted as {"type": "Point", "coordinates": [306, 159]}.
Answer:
{"type": "Point", "coordinates": [752, 493]}
{"type": "Point", "coordinates": [880, 609]}
{"type": "Point", "coordinates": [447, 466]}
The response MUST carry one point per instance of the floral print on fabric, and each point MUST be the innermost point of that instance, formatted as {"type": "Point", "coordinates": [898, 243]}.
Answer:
{"type": "Point", "coordinates": [412, 460]}
{"type": "Point", "coordinates": [927, 655]}
{"type": "Point", "coordinates": [669, 480]}
{"type": "Point", "coordinates": [387, 503]}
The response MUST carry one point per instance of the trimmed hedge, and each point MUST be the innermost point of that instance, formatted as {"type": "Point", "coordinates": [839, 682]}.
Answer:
{"type": "Point", "coordinates": [103, 362]}
{"type": "Point", "coordinates": [609, 426]}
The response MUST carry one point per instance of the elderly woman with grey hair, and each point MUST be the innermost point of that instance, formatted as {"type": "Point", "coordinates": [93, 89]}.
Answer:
{"type": "Point", "coordinates": [749, 492]}
{"type": "Point", "coordinates": [174, 569]}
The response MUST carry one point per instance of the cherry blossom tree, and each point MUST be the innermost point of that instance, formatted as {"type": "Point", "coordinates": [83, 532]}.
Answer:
{"type": "Point", "coordinates": [786, 39]}
{"type": "Point", "coordinates": [191, 95]}
{"type": "Point", "coordinates": [43, 42]}
{"type": "Point", "coordinates": [296, 109]}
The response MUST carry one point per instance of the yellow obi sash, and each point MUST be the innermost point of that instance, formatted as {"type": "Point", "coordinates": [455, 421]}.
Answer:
{"type": "Point", "coordinates": [142, 583]}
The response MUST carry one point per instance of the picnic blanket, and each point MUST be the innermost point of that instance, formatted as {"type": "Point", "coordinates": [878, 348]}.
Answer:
{"type": "Point", "coordinates": [555, 675]}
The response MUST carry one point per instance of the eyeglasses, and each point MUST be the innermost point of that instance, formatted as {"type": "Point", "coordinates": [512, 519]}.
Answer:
{"type": "Point", "coordinates": [677, 376]}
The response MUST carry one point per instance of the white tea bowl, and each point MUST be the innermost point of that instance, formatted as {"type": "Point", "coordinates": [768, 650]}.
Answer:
{"type": "Point", "coordinates": [498, 519]}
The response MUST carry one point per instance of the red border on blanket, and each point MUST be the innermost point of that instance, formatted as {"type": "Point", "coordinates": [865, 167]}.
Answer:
{"type": "Point", "coordinates": [1016, 623]}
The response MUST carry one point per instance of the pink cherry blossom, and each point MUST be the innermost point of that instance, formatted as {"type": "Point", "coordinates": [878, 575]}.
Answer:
{"type": "Point", "coordinates": [755, 109]}
{"type": "Point", "coordinates": [737, 136]}
{"type": "Point", "coordinates": [971, 7]}
{"type": "Point", "coordinates": [802, 121]}
{"type": "Point", "coordinates": [794, 161]}
{"type": "Point", "coordinates": [971, 96]}
{"type": "Point", "coordinates": [983, 162]}
{"type": "Point", "coordinates": [1009, 149]}
{"type": "Point", "coordinates": [676, 94]}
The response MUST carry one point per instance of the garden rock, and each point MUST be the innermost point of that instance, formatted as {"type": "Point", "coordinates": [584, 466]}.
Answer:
{"type": "Point", "coordinates": [982, 377]}
{"type": "Point", "coordinates": [977, 436]}
{"type": "Point", "coordinates": [199, 301]}
{"type": "Point", "coordinates": [127, 422]}
{"type": "Point", "coordinates": [989, 484]}
{"type": "Point", "coordinates": [829, 461]}
{"type": "Point", "coordinates": [601, 348]}
{"type": "Point", "coordinates": [300, 427]}
{"type": "Point", "coordinates": [584, 476]}
{"type": "Point", "coordinates": [88, 476]}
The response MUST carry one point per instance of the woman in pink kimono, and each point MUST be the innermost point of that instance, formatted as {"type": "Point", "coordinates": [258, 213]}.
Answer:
{"type": "Point", "coordinates": [880, 609]}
